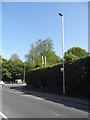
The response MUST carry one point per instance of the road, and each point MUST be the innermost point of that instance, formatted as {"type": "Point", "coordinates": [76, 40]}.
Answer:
{"type": "Point", "coordinates": [16, 104]}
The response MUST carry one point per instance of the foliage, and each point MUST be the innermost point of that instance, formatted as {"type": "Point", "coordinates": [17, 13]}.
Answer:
{"type": "Point", "coordinates": [12, 69]}
{"type": "Point", "coordinates": [6, 70]}
{"type": "Point", "coordinates": [50, 79]}
{"type": "Point", "coordinates": [14, 57]}
{"type": "Point", "coordinates": [0, 58]}
{"type": "Point", "coordinates": [42, 48]}
{"type": "Point", "coordinates": [16, 69]}
{"type": "Point", "coordinates": [77, 77]}
{"type": "Point", "coordinates": [0, 67]}
{"type": "Point", "coordinates": [75, 53]}
{"type": "Point", "coordinates": [31, 56]}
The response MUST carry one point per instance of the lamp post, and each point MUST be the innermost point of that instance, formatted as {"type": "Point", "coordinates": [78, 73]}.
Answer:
{"type": "Point", "coordinates": [24, 73]}
{"type": "Point", "coordinates": [63, 51]}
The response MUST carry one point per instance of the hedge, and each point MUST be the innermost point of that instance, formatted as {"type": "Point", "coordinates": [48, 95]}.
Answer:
{"type": "Point", "coordinates": [50, 79]}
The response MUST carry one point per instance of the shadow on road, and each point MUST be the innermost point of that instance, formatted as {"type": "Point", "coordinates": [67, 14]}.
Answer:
{"type": "Point", "coordinates": [66, 101]}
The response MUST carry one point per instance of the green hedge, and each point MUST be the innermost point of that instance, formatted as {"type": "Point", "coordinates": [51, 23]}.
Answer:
{"type": "Point", "coordinates": [77, 78]}
{"type": "Point", "coordinates": [50, 79]}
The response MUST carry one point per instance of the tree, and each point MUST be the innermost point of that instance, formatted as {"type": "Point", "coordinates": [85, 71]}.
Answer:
{"type": "Point", "coordinates": [16, 69]}
{"type": "Point", "coordinates": [14, 57]}
{"type": "Point", "coordinates": [0, 58]}
{"type": "Point", "coordinates": [42, 48]}
{"type": "Point", "coordinates": [74, 54]}
{"type": "Point", "coordinates": [12, 69]}
{"type": "Point", "coordinates": [52, 58]}
{"type": "Point", "coordinates": [0, 67]}
{"type": "Point", "coordinates": [32, 54]}
{"type": "Point", "coordinates": [6, 74]}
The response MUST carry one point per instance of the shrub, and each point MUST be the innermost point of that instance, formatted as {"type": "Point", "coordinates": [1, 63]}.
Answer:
{"type": "Point", "coordinates": [50, 78]}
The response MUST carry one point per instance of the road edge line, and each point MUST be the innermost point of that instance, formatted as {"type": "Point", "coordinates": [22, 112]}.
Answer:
{"type": "Point", "coordinates": [2, 115]}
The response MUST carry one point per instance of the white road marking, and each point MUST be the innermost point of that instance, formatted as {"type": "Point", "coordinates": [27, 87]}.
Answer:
{"type": "Point", "coordinates": [55, 113]}
{"type": "Point", "coordinates": [21, 94]}
{"type": "Point", "coordinates": [13, 91]}
{"type": "Point", "coordinates": [2, 115]}
{"type": "Point", "coordinates": [38, 98]}
{"type": "Point", "coordinates": [18, 92]}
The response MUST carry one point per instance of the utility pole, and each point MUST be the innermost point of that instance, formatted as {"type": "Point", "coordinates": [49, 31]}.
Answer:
{"type": "Point", "coordinates": [24, 73]}
{"type": "Point", "coordinates": [62, 17]}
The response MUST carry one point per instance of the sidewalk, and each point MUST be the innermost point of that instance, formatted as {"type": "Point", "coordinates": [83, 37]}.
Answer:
{"type": "Point", "coordinates": [73, 102]}
{"type": "Point", "coordinates": [57, 97]}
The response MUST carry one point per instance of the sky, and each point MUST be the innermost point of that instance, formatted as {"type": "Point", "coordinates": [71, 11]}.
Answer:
{"type": "Point", "coordinates": [88, 27]}
{"type": "Point", "coordinates": [24, 23]}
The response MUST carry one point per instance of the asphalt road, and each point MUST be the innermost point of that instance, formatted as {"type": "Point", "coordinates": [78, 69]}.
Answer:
{"type": "Point", "coordinates": [16, 104]}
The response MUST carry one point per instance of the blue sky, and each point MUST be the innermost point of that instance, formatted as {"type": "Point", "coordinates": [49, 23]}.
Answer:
{"type": "Point", "coordinates": [23, 23]}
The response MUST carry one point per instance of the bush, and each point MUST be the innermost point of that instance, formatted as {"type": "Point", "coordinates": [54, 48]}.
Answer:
{"type": "Point", "coordinates": [50, 78]}
{"type": "Point", "coordinates": [76, 75]}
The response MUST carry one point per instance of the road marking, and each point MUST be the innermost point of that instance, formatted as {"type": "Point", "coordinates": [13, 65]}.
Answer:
{"type": "Point", "coordinates": [17, 92]}
{"type": "Point", "coordinates": [38, 98]}
{"type": "Point", "coordinates": [2, 115]}
{"type": "Point", "coordinates": [55, 113]}
{"type": "Point", "coordinates": [13, 91]}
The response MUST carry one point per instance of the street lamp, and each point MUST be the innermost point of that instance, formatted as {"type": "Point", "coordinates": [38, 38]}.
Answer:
{"type": "Point", "coordinates": [63, 51]}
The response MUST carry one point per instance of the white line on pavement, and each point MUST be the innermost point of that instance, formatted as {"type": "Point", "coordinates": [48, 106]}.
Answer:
{"type": "Point", "coordinates": [55, 113]}
{"type": "Point", "coordinates": [38, 98]}
{"type": "Point", "coordinates": [2, 115]}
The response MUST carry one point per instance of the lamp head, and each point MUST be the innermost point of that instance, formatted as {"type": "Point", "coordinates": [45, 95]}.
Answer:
{"type": "Point", "coordinates": [60, 14]}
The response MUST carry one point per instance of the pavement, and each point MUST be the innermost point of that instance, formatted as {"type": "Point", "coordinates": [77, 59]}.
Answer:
{"type": "Point", "coordinates": [71, 101]}
{"type": "Point", "coordinates": [19, 103]}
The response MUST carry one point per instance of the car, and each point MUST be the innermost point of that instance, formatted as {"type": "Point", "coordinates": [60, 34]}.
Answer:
{"type": "Point", "coordinates": [1, 83]}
